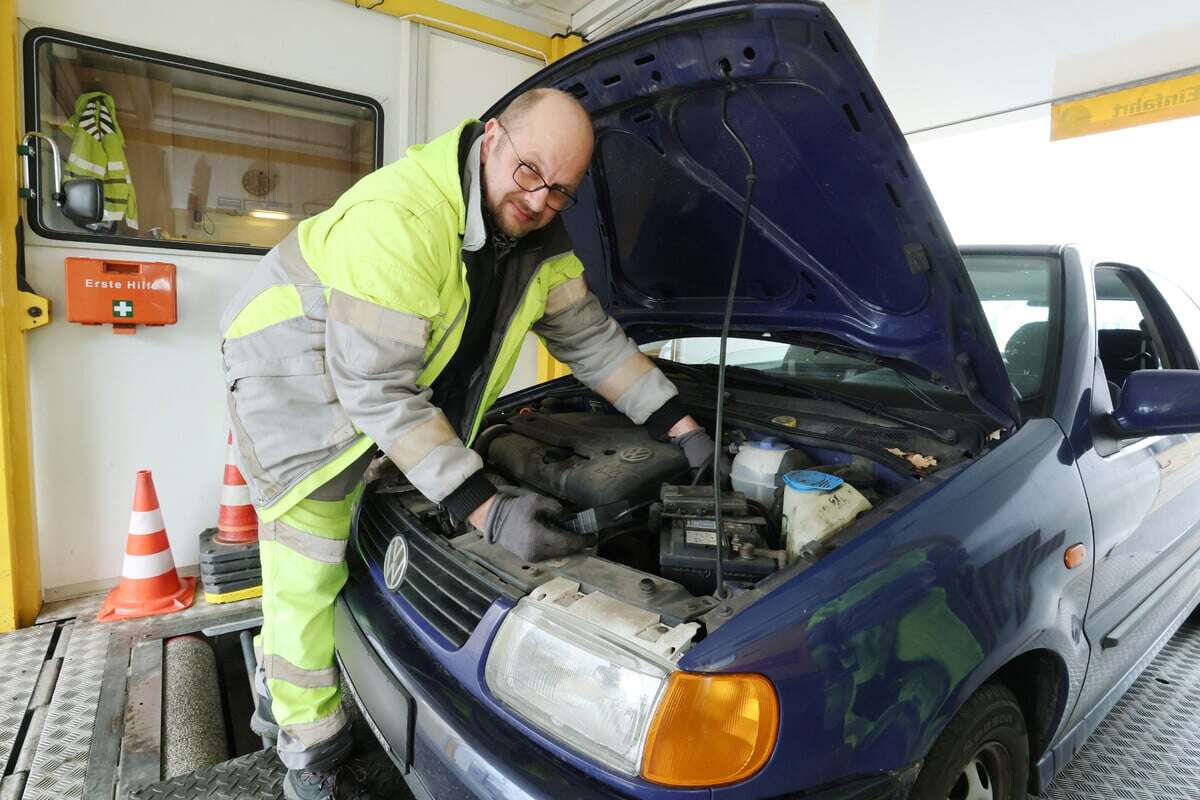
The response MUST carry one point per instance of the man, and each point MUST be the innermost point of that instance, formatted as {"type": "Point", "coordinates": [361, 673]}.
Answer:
{"type": "Point", "coordinates": [393, 320]}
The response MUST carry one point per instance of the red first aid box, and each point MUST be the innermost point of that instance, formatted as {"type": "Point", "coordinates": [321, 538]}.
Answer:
{"type": "Point", "coordinates": [123, 294]}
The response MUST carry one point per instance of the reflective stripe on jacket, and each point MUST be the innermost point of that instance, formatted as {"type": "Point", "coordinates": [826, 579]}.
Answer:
{"type": "Point", "coordinates": [343, 327]}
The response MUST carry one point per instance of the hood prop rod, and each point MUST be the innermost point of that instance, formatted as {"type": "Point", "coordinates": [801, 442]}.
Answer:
{"type": "Point", "coordinates": [719, 428]}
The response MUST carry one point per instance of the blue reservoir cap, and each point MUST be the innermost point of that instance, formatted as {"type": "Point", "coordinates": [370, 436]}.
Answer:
{"type": "Point", "coordinates": [769, 443]}
{"type": "Point", "coordinates": [811, 480]}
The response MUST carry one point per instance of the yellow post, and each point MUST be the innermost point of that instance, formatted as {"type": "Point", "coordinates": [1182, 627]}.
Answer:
{"type": "Point", "coordinates": [20, 574]}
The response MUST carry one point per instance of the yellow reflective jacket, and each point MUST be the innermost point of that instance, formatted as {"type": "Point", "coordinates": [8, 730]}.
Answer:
{"type": "Point", "coordinates": [98, 151]}
{"type": "Point", "coordinates": [333, 343]}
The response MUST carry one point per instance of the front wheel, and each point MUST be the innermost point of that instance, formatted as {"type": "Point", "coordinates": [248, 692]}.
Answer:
{"type": "Point", "coordinates": [982, 755]}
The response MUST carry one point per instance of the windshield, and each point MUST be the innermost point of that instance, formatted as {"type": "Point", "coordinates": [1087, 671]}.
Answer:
{"type": "Point", "coordinates": [1015, 292]}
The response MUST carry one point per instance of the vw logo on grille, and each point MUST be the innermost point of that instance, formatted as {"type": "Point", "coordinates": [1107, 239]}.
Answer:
{"type": "Point", "coordinates": [635, 454]}
{"type": "Point", "coordinates": [395, 563]}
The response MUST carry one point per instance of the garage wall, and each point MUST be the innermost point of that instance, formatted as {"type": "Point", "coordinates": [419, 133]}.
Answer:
{"type": "Point", "coordinates": [105, 406]}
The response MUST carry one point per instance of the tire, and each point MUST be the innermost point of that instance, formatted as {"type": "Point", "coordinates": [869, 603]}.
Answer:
{"type": "Point", "coordinates": [983, 754]}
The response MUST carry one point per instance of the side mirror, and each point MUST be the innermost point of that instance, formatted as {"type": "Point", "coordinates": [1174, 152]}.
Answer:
{"type": "Point", "coordinates": [1158, 402]}
{"type": "Point", "coordinates": [83, 201]}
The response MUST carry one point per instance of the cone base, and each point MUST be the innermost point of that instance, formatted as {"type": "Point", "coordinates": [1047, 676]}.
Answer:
{"type": "Point", "coordinates": [233, 595]}
{"type": "Point", "coordinates": [226, 536]}
{"type": "Point", "coordinates": [116, 608]}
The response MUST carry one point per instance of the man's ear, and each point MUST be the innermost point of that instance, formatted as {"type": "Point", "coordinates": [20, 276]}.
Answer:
{"type": "Point", "coordinates": [490, 131]}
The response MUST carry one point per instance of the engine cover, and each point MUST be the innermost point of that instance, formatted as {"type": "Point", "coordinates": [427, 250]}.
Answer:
{"type": "Point", "coordinates": [585, 459]}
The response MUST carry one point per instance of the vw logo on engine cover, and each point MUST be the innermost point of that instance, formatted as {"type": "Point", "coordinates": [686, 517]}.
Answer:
{"type": "Point", "coordinates": [635, 454]}
{"type": "Point", "coordinates": [395, 563]}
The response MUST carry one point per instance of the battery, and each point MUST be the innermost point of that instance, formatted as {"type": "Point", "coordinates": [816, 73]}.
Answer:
{"type": "Point", "coordinates": [688, 539]}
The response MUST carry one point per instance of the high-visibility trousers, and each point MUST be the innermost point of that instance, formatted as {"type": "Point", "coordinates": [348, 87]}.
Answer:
{"type": "Point", "coordinates": [303, 556]}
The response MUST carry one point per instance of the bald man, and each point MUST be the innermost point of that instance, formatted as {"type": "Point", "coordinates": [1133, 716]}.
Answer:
{"type": "Point", "coordinates": [393, 321]}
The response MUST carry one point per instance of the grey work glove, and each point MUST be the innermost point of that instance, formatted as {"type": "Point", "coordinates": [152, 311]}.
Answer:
{"type": "Point", "coordinates": [522, 523]}
{"type": "Point", "coordinates": [699, 449]}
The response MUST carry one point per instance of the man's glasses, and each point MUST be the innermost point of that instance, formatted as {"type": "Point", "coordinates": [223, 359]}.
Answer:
{"type": "Point", "coordinates": [530, 180]}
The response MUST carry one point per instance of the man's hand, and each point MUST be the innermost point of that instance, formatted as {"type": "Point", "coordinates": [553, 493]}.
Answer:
{"type": "Point", "coordinates": [698, 447]}
{"type": "Point", "coordinates": [521, 522]}
{"type": "Point", "coordinates": [478, 517]}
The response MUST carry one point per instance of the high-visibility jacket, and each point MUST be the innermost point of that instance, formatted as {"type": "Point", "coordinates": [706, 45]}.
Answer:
{"type": "Point", "coordinates": [332, 345]}
{"type": "Point", "coordinates": [98, 151]}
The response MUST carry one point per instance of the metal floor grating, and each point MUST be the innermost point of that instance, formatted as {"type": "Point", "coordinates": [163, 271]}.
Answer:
{"type": "Point", "coordinates": [1147, 748]}
{"type": "Point", "coordinates": [60, 759]}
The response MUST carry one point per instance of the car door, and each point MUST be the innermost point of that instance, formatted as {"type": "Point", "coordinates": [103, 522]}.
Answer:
{"type": "Point", "coordinates": [1144, 494]}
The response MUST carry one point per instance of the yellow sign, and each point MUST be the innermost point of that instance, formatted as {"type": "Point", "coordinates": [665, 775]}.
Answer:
{"type": "Point", "coordinates": [1173, 98]}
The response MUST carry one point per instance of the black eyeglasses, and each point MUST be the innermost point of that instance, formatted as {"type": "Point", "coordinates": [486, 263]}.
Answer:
{"type": "Point", "coordinates": [529, 179]}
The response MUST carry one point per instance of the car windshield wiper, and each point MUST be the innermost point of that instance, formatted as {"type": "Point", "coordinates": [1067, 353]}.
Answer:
{"type": "Point", "coordinates": [748, 375]}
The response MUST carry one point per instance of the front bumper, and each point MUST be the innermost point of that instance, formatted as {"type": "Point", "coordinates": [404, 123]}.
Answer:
{"type": "Point", "coordinates": [447, 745]}
{"type": "Point", "coordinates": [444, 742]}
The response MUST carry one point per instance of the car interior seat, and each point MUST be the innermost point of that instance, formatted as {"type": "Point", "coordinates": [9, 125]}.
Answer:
{"type": "Point", "coordinates": [1125, 351]}
{"type": "Point", "coordinates": [1025, 357]}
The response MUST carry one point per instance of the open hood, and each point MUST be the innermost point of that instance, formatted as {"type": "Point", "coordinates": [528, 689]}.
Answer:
{"type": "Point", "coordinates": [844, 241]}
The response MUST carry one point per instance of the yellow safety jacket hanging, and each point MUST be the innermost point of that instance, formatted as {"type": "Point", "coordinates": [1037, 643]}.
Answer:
{"type": "Point", "coordinates": [98, 151]}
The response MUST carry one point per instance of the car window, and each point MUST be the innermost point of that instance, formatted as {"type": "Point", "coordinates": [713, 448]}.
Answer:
{"type": "Point", "coordinates": [1128, 338]}
{"type": "Point", "coordinates": [1185, 308]}
{"type": "Point", "coordinates": [781, 358]}
{"type": "Point", "coordinates": [1017, 293]}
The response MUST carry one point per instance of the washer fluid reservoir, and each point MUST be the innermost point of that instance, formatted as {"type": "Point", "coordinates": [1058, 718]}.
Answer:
{"type": "Point", "coordinates": [754, 469]}
{"type": "Point", "coordinates": [817, 505]}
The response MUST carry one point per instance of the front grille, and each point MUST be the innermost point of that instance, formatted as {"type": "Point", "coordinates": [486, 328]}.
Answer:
{"type": "Point", "coordinates": [437, 586]}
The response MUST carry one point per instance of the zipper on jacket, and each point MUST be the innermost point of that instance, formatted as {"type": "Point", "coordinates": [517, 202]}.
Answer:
{"type": "Point", "coordinates": [522, 296]}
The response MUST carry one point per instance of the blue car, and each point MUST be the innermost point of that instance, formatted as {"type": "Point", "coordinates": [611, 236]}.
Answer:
{"type": "Point", "coordinates": [964, 497]}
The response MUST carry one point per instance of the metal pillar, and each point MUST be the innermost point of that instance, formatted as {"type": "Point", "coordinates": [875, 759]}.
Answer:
{"type": "Point", "coordinates": [20, 574]}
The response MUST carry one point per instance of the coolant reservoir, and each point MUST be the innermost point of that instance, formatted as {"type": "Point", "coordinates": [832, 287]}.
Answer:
{"type": "Point", "coordinates": [754, 469]}
{"type": "Point", "coordinates": [815, 506]}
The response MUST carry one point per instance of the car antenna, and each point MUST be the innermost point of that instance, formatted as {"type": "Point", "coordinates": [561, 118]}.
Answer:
{"type": "Point", "coordinates": [751, 178]}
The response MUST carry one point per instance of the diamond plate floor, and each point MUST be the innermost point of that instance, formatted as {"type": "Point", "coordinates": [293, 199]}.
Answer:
{"type": "Point", "coordinates": [22, 653]}
{"type": "Point", "coordinates": [1148, 747]}
{"type": "Point", "coordinates": [259, 776]}
{"type": "Point", "coordinates": [60, 763]}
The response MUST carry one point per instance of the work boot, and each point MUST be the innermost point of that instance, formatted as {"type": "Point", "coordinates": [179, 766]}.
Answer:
{"type": "Point", "coordinates": [339, 783]}
{"type": "Point", "coordinates": [262, 722]}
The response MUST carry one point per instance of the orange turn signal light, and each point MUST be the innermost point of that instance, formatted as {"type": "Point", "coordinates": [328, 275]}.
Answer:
{"type": "Point", "coordinates": [1075, 555]}
{"type": "Point", "coordinates": [711, 729]}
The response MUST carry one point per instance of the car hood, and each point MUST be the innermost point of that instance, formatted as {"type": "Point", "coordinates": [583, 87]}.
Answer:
{"type": "Point", "coordinates": [844, 241]}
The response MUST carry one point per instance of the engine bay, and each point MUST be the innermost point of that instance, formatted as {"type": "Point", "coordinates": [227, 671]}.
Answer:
{"type": "Point", "coordinates": [652, 516]}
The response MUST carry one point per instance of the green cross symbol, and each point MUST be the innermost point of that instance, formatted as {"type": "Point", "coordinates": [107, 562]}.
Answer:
{"type": "Point", "coordinates": [122, 308]}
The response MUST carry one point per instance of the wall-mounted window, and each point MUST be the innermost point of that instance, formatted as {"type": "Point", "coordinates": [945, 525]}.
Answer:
{"type": "Point", "coordinates": [191, 154]}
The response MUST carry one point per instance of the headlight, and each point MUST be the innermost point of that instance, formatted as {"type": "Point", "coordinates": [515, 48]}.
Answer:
{"type": "Point", "coordinates": [577, 682]}
{"type": "Point", "coordinates": [597, 675]}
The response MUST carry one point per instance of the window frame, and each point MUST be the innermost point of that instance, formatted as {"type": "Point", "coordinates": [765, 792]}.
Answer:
{"type": "Point", "coordinates": [1041, 404]}
{"type": "Point", "coordinates": [35, 37]}
{"type": "Point", "coordinates": [1164, 327]}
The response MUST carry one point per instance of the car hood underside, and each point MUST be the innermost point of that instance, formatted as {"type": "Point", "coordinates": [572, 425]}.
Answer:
{"type": "Point", "coordinates": [844, 241]}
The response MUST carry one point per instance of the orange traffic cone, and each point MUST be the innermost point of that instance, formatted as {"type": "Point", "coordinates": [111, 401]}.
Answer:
{"type": "Point", "coordinates": [236, 521]}
{"type": "Point", "coordinates": [149, 583]}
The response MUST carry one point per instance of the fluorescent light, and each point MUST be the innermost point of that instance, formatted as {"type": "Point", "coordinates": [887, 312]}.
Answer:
{"type": "Point", "coordinates": [263, 213]}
